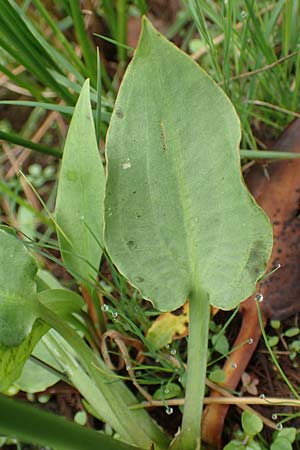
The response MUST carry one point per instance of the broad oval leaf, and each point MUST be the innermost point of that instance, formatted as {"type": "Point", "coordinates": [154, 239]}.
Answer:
{"type": "Point", "coordinates": [80, 196]}
{"type": "Point", "coordinates": [179, 217]}
{"type": "Point", "coordinates": [18, 301]}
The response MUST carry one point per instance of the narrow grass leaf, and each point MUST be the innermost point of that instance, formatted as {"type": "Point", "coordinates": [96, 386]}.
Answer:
{"type": "Point", "coordinates": [79, 205]}
{"type": "Point", "coordinates": [30, 424]}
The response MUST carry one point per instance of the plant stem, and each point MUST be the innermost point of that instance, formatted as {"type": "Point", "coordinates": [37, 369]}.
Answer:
{"type": "Point", "coordinates": [190, 435]}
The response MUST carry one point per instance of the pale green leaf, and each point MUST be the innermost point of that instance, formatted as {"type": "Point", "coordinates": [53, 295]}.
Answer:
{"type": "Point", "coordinates": [61, 301]}
{"type": "Point", "coordinates": [12, 359]}
{"type": "Point", "coordinates": [170, 390]}
{"type": "Point", "coordinates": [251, 423]}
{"type": "Point", "coordinates": [18, 302]}
{"type": "Point", "coordinates": [79, 206]}
{"type": "Point", "coordinates": [179, 217]}
{"type": "Point", "coordinates": [35, 378]}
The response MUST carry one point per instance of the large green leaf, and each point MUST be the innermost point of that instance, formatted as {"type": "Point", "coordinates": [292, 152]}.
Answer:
{"type": "Point", "coordinates": [179, 217]}
{"type": "Point", "coordinates": [79, 206]}
{"type": "Point", "coordinates": [18, 301]}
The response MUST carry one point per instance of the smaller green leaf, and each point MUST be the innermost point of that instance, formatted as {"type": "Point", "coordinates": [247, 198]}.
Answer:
{"type": "Point", "coordinates": [80, 418]}
{"type": "Point", "coordinates": [288, 433]}
{"type": "Point", "coordinates": [234, 445]}
{"type": "Point", "coordinates": [217, 376]}
{"type": "Point", "coordinates": [80, 196]}
{"type": "Point", "coordinates": [276, 324]}
{"type": "Point", "coordinates": [281, 443]}
{"type": "Point", "coordinates": [220, 343]}
{"type": "Point", "coordinates": [291, 332]}
{"type": "Point", "coordinates": [273, 341]}
{"type": "Point", "coordinates": [253, 446]}
{"type": "Point", "coordinates": [251, 423]}
{"type": "Point", "coordinates": [18, 301]}
{"type": "Point", "coordinates": [170, 390]}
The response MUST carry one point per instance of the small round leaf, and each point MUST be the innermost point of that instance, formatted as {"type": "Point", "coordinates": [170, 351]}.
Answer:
{"type": "Point", "coordinates": [251, 423]}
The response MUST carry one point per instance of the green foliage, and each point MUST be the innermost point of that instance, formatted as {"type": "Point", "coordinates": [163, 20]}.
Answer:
{"type": "Point", "coordinates": [175, 199]}
{"type": "Point", "coordinates": [251, 423]}
{"type": "Point", "coordinates": [252, 426]}
{"type": "Point", "coordinates": [18, 302]}
{"type": "Point", "coordinates": [170, 390]}
{"type": "Point", "coordinates": [179, 224]}
{"type": "Point", "coordinates": [79, 204]}
{"type": "Point", "coordinates": [168, 226]}
{"type": "Point", "coordinates": [30, 424]}
{"type": "Point", "coordinates": [12, 359]}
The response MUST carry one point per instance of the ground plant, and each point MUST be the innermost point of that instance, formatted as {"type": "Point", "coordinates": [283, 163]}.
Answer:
{"type": "Point", "coordinates": [164, 213]}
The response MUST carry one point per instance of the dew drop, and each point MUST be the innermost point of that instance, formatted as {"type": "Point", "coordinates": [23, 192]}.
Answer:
{"type": "Point", "coordinates": [168, 346]}
{"type": "Point", "coordinates": [243, 14]}
{"type": "Point", "coordinates": [173, 351]}
{"type": "Point", "coordinates": [259, 297]}
{"type": "Point", "coordinates": [250, 341]}
{"type": "Point", "coordinates": [274, 417]}
{"type": "Point", "coordinates": [277, 266]}
{"type": "Point", "coordinates": [126, 165]}
{"type": "Point", "coordinates": [166, 391]}
{"type": "Point", "coordinates": [262, 396]}
{"type": "Point", "coordinates": [82, 217]}
{"type": "Point", "coordinates": [180, 379]}
{"type": "Point", "coordinates": [104, 307]}
{"type": "Point", "coordinates": [279, 426]}
{"type": "Point", "coordinates": [115, 314]}
{"type": "Point", "coordinates": [234, 365]}
{"type": "Point", "coordinates": [169, 410]}
{"type": "Point", "coordinates": [128, 368]}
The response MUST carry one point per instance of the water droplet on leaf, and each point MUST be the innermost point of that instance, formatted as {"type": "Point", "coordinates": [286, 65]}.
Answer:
{"type": "Point", "coordinates": [259, 297]}
{"type": "Point", "coordinates": [126, 165]}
